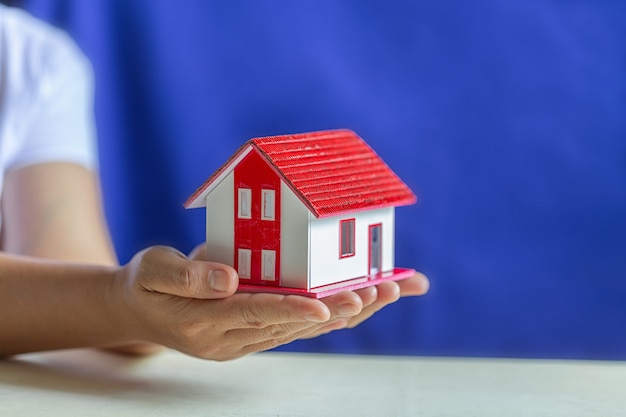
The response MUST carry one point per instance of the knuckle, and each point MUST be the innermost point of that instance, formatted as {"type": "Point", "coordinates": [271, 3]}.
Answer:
{"type": "Point", "coordinates": [149, 264]}
{"type": "Point", "coordinates": [188, 278]}
{"type": "Point", "coordinates": [277, 332]}
{"type": "Point", "coordinates": [143, 263]}
{"type": "Point", "coordinates": [189, 330]}
{"type": "Point", "coordinates": [155, 253]}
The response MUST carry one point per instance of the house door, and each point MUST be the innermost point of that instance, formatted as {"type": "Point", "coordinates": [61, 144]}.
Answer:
{"type": "Point", "coordinates": [257, 222]}
{"type": "Point", "coordinates": [375, 248]}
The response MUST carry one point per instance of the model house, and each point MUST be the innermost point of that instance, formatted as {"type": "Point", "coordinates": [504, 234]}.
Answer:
{"type": "Point", "coordinates": [308, 214]}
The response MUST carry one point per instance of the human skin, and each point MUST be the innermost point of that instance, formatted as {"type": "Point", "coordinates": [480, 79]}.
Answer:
{"type": "Point", "coordinates": [61, 285]}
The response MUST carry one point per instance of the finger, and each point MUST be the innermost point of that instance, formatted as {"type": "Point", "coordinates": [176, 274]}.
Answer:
{"type": "Point", "coordinates": [388, 292]}
{"type": "Point", "coordinates": [418, 284]}
{"type": "Point", "coordinates": [260, 310]}
{"type": "Point", "coordinates": [332, 325]}
{"type": "Point", "coordinates": [167, 271]}
{"type": "Point", "coordinates": [368, 295]}
{"type": "Point", "coordinates": [344, 304]}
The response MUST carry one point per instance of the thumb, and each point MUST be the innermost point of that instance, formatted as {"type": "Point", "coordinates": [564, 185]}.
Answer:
{"type": "Point", "coordinates": [167, 271]}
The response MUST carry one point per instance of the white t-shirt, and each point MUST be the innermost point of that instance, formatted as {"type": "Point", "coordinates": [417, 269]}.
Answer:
{"type": "Point", "coordinates": [46, 96]}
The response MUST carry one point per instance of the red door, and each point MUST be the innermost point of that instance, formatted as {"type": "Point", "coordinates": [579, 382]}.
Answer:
{"type": "Point", "coordinates": [257, 221]}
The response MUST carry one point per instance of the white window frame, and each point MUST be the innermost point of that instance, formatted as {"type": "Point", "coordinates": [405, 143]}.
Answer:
{"type": "Point", "coordinates": [268, 205]}
{"type": "Point", "coordinates": [243, 211]}
{"type": "Point", "coordinates": [244, 263]}
{"type": "Point", "coordinates": [268, 265]}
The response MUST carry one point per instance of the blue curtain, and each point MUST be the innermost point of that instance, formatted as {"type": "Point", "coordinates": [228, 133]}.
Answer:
{"type": "Point", "coordinates": [507, 118]}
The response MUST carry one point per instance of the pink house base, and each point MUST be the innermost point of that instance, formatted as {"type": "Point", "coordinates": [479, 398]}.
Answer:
{"type": "Point", "coordinates": [331, 289]}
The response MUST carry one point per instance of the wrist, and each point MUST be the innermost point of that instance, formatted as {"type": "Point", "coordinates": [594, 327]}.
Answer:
{"type": "Point", "coordinates": [125, 305]}
{"type": "Point", "coordinates": [118, 307]}
{"type": "Point", "coordinates": [123, 317]}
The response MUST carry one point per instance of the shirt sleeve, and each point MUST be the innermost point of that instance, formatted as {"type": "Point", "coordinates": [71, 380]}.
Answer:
{"type": "Point", "coordinates": [57, 118]}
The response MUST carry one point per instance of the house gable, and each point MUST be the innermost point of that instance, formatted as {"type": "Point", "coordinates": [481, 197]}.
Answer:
{"type": "Point", "coordinates": [257, 225]}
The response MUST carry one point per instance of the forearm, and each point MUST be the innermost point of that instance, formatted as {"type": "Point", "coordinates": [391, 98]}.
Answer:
{"type": "Point", "coordinates": [52, 211]}
{"type": "Point", "coordinates": [48, 305]}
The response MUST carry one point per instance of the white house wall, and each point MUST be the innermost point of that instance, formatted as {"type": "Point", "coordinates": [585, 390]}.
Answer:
{"type": "Point", "coordinates": [294, 240]}
{"type": "Point", "coordinates": [326, 267]}
{"type": "Point", "coordinates": [220, 220]}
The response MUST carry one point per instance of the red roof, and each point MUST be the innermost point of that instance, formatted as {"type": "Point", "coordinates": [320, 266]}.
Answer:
{"type": "Point", "coordinates": [331, 171]}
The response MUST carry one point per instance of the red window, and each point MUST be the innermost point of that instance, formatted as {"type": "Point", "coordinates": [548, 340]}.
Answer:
{"type": "Point", "coordinates": [346, 238]}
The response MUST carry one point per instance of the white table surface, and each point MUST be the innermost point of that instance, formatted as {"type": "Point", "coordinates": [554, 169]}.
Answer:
{"type": "Point", "coordinates": [91, 383]}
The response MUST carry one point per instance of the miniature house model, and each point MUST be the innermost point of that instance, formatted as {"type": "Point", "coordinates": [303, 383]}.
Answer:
{"type": "Point", "coordinates": [308, 214]}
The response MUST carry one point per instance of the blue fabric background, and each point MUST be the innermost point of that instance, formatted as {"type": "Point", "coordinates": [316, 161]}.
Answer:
{"type": "Point", "coordinates": [507, 118]}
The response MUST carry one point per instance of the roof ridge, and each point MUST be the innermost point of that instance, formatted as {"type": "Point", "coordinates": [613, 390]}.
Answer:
{"type": "Point", "coordinates": [303, 137]}
{"type": "Point", "coordinates": [335, 144]}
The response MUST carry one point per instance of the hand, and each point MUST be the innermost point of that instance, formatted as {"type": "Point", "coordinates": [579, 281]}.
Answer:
{"type": "Point", "coordinates": [351, 308]}
{"type": "Point", "coordinates": [191, 306]}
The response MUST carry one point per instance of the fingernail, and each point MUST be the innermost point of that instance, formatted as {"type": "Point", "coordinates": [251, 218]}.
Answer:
{"type": "Point", "coordinates": [219, 280]}
{"type": "Point", "coordinates": [347, 309]}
